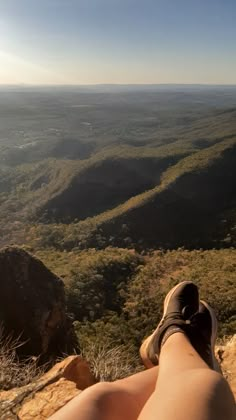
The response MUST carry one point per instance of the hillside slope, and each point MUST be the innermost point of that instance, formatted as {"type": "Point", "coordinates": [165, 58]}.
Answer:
{"type": "Point", "coordinates": [187, 208]}
{"type": "Point", "coordinates": [176, 190]}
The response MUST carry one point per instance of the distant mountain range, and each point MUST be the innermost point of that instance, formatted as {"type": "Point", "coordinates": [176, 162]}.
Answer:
{"type": "Point", "coordinates": [105, 88]}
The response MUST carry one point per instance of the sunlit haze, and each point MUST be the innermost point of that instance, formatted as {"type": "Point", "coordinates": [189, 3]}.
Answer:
{"type": "Point", "coordinates": [117, 41]}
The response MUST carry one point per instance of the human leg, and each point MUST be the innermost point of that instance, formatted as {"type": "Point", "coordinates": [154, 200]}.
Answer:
{"type": "Point", "coordinates": [119, 400]}
{"type": "Point", "coordinates": [186, 387]}
{"type": "Point", "coordinates": [122, 399]}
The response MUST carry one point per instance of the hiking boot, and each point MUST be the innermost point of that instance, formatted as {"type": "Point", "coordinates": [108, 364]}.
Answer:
{"type": "Point", "coordinates": [180, 304]}
{"type": "Point", "coordinates": [202, 334]}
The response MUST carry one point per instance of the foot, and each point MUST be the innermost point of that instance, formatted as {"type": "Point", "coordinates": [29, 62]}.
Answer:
{"type": "Point", "coordinates": [180, 305]}
{"type": "Point", "coordinates": [203, 333]}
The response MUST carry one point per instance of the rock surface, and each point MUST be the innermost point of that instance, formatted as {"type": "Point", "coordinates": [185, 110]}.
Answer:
{"type": "Point", "coordinates": [226, 355]}
{"type": "Point", "coordinates": [42, 398]}
{"type": "Point", "coordinates": [32, 306]}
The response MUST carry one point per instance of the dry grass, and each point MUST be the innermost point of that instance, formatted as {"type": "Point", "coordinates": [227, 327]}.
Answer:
{"type": "Point", "coordinates": [14, 372]}
{"type": "Point", "coordinates": [110, 363]}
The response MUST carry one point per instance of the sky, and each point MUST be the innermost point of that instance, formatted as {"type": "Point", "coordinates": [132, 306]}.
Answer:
{"type": "Point", "coordinates": [117, 41]}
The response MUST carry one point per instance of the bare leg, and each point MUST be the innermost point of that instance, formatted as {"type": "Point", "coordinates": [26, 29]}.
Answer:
{"type": "Point", "coordinates": [119, 400]}
{"type": "Point", "coordinates": [186, 388]}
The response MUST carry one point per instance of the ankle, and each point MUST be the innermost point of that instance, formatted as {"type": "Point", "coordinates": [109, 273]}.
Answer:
{"type": "Point", "coordinates": [179, 354]}
{"type": "Point", "coordinates": [175, 339]}
{"type": "Point", "coordinates": [173, 329]}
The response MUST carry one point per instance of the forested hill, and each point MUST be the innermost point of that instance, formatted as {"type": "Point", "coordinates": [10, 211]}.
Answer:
{"type": "Point", "coordinates": [135, 170]}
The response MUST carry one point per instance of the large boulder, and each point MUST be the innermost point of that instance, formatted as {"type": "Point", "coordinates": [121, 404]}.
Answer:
{"type": "Point", "coordinates": [32, 306]}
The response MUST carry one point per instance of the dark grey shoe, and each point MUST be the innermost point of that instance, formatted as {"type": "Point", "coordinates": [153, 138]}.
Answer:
{"type": "Point", "coordinates": [202, 334]}
{"type": "Point", "coordinates": [180, 305]}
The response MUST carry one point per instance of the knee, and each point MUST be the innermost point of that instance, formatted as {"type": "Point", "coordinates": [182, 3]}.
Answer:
{"type": "Point", "coordinates": [217, 390]}
{"type": "Point", "coordinates": [208, 378]}
{"type": "Point", "coordinates": [213, 379]}
{"type": "Point", "coordinates": [221, 385]}
{"type": "Point", "coordinates": [100, 387]}
{"type": "Point", "coordinates": [100, 391]}
{"type": "Point", "coordinates": [221, 397]}
{"type": "Point", "coordinates": [207, 382]}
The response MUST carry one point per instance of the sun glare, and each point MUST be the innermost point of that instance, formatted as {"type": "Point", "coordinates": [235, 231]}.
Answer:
{"type": "Point", "coordinates": [15, 69]}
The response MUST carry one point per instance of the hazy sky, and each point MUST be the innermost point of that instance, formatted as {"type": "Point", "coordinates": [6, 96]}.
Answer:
{"type": "Point", "coordinates": [117, 41]}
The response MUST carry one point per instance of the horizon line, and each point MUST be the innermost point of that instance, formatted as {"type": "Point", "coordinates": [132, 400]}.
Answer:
{"type": "Point", "coordinates": [111, 84]}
